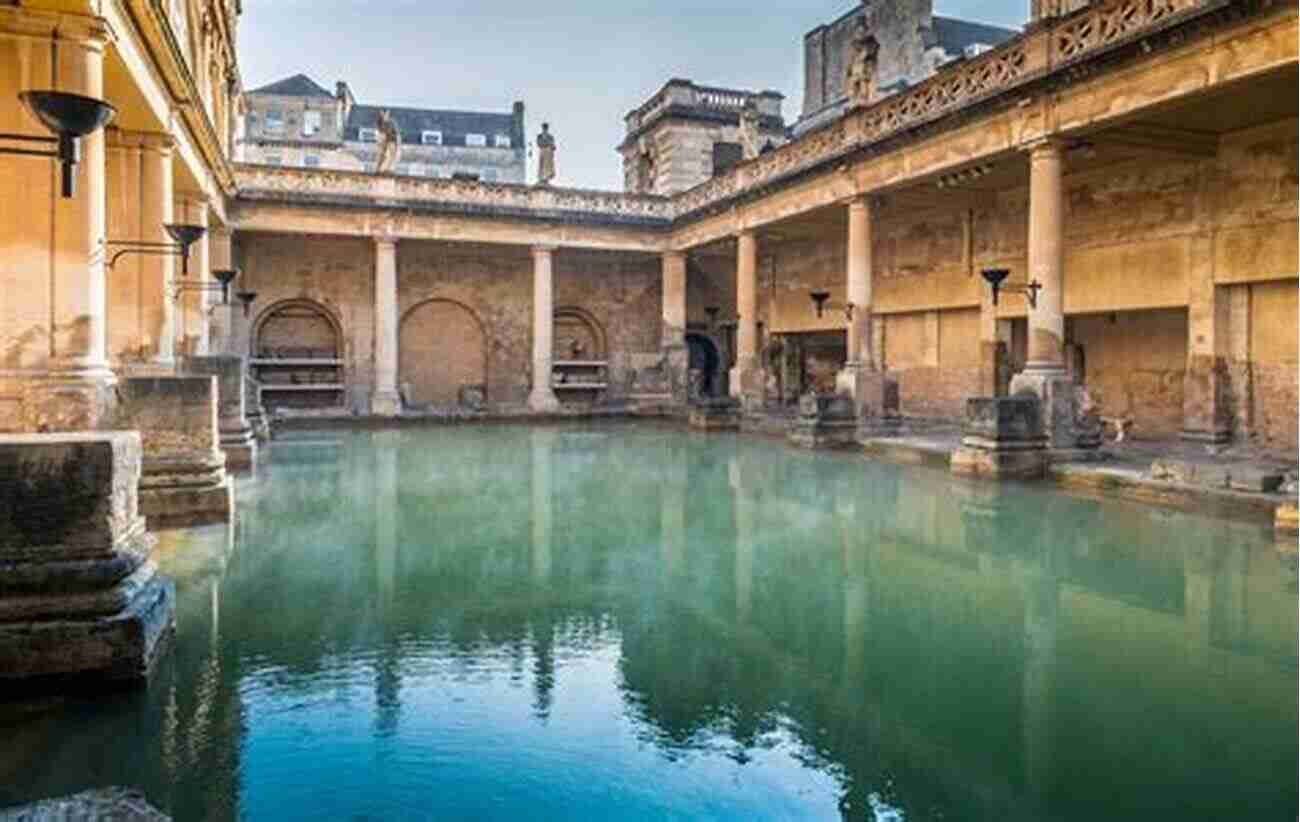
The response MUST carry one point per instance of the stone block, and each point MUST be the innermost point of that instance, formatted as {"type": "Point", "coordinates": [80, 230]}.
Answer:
{"type": "Point", "coordinates": [183, 480]}
{"type": "Point", "coordinates": [1067, 421]}
{"type": "Point", "coordinates": [238, 438]}
{"type": "Point", "coordinates": [1002, 438]}
{"type": "Point", "coordinates": [824, 421]}
{"type": "Point", "coordinates": [79, 599]}
{"type": "Point", "coordinates": [116, 804]}
{"type": "Point", "coordinates": [995, 464]}
{"type": "Point", "coordinates": [718, 414]}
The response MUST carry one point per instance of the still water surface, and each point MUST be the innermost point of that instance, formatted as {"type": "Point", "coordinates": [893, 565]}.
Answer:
{"type": "Point", "coordinates": [637, 623]}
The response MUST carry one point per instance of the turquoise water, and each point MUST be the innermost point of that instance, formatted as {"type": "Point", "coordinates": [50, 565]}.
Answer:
{"type": "Point", "coordinates": [630, 622]}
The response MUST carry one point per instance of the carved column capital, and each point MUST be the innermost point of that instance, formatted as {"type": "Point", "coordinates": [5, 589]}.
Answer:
{"type": "Point", "coordinates": [1044, 148]}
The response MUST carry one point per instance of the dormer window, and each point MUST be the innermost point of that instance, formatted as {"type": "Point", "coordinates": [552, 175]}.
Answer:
{"type": "Point", "coordinates": [476, 140]}
{"type": "Point", "coordinates": [431, 138]}
{"type": "Point", "coordinates": [368, 135]}
{"type": "Point", "coordinates": [273, 121]}
{"type": "Point", "coordinates": [502, 141]}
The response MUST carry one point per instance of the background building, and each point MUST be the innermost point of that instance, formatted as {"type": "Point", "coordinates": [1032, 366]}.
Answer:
{"type": "Point", "coordinates": [297, 122]}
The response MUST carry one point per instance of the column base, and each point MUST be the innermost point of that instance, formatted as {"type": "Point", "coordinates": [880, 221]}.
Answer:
{"type": "Point", "coordinates": [240, 446]}
{"type": "Point", "coordinates": [716, 414]}
{"type": "Point", "coordinates": [998, 465]}
{"type": "Point", "coordinates": [386, 404]}
{"type": "Point", "coordinates": [183, 491]}
{"type": "Point", "coordinates": [1066, 424]}
{"type": "Point", "coordinates": [1207, 412]}
{"type": "Point", "coordinates": [544, 402]}
{"type": "Point", "coordinates": [1002, 439]}
{"type": "Point", "coordinates": [748, 385]}
{"type": "Point", "coordinates": [824, 421]}
{"type": "Point", "coordinates": [70, 401]}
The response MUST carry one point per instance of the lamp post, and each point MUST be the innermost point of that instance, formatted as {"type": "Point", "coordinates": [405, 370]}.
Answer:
{"type": "Point", "coordinates": [996, 277]}
{"type": "Point", "coordinates": [70, 117]}
{"type": "Point", "coordinates": [821, 301]}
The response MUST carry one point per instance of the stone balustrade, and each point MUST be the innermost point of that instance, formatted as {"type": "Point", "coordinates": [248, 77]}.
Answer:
{"type": "Point", "coordinates": [1060, 44]}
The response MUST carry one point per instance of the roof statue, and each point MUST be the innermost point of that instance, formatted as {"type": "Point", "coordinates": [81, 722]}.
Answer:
{"type": "Point", "coordinates": [545, 156]}
{"type": "Point", "coordinates": [390, 144]}
{"type": "Point", "coordinates": [860, 71]}
{"type": "Point", "coordinates": [750, 139]}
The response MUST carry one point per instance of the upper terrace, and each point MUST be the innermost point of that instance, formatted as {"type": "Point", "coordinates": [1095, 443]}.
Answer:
{"type": "Point", "coordinates": [1049, 55]}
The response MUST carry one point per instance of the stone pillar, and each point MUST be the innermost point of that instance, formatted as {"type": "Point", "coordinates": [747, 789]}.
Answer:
{"type": "Point", "coordinates": [746, 377]}
{"type": "Point", "coordinates": [875, 395]}
{"type": "Point", "coordinates": [238, 440]}
{"type": "Point", "coordinates": [386, 402]}
{"type": "Point", "coordinates": [75, 392]}
{"type": "Point", "coordinates": [1208, 412]}
{"type": "Point", "coordinates": [192, 208]}
{"type": "Point", "coordinates": [542, 398]}
{"type": "Point", "coordinates": [221, 315]}
{"type": "Point", "coordinates": [675, 352]}
{"type": "Point", "coordinates": [1045, 375]}
{"type": "Point", "coordinates": [158, 270]}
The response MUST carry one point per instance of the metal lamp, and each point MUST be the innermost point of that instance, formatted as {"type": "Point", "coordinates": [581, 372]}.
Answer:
{"type": "Point", "coordinates": [995, 277]}
{"type": "Point", "coordinates": [70, 117]}
{"type": "Point", "coordinates": [821, 303]}
{"type": "Point", "coordinates": [246, 297]}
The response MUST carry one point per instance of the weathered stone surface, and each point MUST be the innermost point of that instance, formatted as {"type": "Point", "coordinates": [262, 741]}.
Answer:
{"type": "Point", "coordinates": [78, 598]}
{"type": "Point", "coordinates": [184, 479]}
{"type": "Point", "coordinates": [238, 439]}
{"type": "Point", "coordinates": [719, 414]}
{"type": "Point", "coordinates": [825, 420]}
{"type": "Point", "coordinates": [107, 804]}
{"type": "Point", "coordinates": [1287, 519]}
{"type": "Point", "coordinates": [1002, 438]}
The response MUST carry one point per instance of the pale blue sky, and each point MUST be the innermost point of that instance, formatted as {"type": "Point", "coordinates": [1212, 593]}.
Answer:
{"type": "Point", "coordinates": [577, 64]}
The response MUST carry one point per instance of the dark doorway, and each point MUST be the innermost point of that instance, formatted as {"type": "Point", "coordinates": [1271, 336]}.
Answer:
{"type": "Point", "coordinates": [703, 368]}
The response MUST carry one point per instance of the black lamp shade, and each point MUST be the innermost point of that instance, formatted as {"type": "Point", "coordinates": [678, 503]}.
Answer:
{"type": "Point", "coordinates": [225, 276]}
{"type": "Point", "coordinates": [995, 276]}
{"type": "Point", "coordinates": [246, 297]}
{"type": "Point", "coordinates": [185, 235]}
{"type": "Point", "coordinates": [819, 299]}
{"type": "Point", "coordinates": [68, 115]}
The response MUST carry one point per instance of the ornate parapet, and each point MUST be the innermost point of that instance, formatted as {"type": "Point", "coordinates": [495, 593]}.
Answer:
{"type": "Point", "coordinates": [79, 598]}
{"type": "Point", "coordinates": [461, 197]}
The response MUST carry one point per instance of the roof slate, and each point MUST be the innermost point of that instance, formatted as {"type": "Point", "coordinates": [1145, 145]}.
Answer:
{"type": "Point", "coordinates": [299, 85]}
{"type": "Point", "coordinates": [454, 125]}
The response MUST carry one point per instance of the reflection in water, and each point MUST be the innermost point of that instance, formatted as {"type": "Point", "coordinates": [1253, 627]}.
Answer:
{"type": "Point", "coordinates": [630, 622]}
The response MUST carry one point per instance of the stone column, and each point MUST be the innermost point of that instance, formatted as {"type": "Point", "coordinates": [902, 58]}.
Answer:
{"type": "Point", "coordinates": [1208, 389]}
{"type": "Point", "coordinates": [386, 402]}
{"type": "Point", "coordinates": [75, 391]}
{"type": "Point", "coordinates": [158, 270]}
{"type": "Point", "coordinates": [875, 396]}
{"type": "Point", "coordinates": [746, 377]}
{"type": "Point", "coordinates": [542, 398]}
{"type": "Point", "coordinates": [1045, 374]}
{"type": "Point", "coordinates": [221, 315]}
{"type": "Point", "coordinates": [674, 324]}
{"type": "Point", "coordinates": [192, 208]}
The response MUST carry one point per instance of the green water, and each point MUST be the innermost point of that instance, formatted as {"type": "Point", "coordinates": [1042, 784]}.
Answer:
{"type": "Point", "coordinates": [631, 622]}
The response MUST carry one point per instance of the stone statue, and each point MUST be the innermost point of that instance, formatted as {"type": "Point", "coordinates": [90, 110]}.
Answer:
{"type": "Point", "coordinates": [390, 144]}
{"type": "Point", "coordinates": [750, 139]}
{"type": "Point", "coordinates": [860, 70]}
{"type": "Point", "coordinates": [545, 156]}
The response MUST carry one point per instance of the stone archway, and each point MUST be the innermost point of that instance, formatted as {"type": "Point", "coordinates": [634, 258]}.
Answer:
{"type": "Point", "coordinates": [442, 353]}
{"type": "Point", "coordinates": [297, 328]}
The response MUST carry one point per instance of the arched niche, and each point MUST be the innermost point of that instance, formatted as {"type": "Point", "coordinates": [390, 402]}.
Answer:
{"type": "Point", "coordinates": [442, 354]}
{"type": "Point", "coordinates": [297, 329]}
{"type": "Point", "coordinates": [578, 336]}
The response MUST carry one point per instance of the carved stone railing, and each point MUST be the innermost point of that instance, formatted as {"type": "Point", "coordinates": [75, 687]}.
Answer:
{"type": "Point", "coordinates": [326, 186]}
{"type": "Point", "coordinates": [1070, 39]}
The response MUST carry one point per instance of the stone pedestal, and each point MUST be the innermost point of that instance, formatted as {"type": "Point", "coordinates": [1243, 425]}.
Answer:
{"type": "Point", "coordinates": [184, 478]}
{"type": "Point", "coordinates": [824, 421]}
{"type": "Point", "coordinates": [79, 599]}
{"type": "Point", "coordinates": [875, 398]}
{"type": "Point", "coordinates": [719, 414]}
{"type": "Point", "coordinates": [238, 440]}
{"type": "Point", "coordinates": [1068, 422]}
{"type": "Point", "coordinates": [1002, 438]}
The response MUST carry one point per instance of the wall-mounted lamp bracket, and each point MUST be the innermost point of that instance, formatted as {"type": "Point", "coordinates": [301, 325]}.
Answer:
{"type": "Point", "coordinates": [821, 301]}
{"type": "Point", "coordinates": [996, 278]}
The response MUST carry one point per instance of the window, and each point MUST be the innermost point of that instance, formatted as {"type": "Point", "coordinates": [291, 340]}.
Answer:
{"type": "Point", "coordinates": [431, 138]}
{"type": "Point", "coordinates": [412, 169]}
{"type": "Point", "coordinates": [368, 135]}
{"type": "Point", "coordinates": [726, 155]}
{"type": "Point", "coordinates": [502, 141]}
{"type": "Point", "coordinates": [273, 120]}
{"type": "Point", "coordinates": [479, 140]}
{"type": "Point", "coordinates": [310, 123]}
{"type": "Point", "coordinates": [311, 161]}
{"type": "Point", "coordinates": [274, 160]}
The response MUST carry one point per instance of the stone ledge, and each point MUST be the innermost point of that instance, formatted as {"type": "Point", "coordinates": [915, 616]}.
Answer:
{"type": "Point", "coordinates": [115, 804]}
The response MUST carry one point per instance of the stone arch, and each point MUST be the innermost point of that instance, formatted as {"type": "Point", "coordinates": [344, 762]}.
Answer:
{"type": "Point", "coordinates": [705, 371]}
{"type": "Point", "coordinates": [578, 335]}
{"type": "Point", "coordinates": [297, 327]}
{"type": "Point", "coordinates": [442, 351]}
